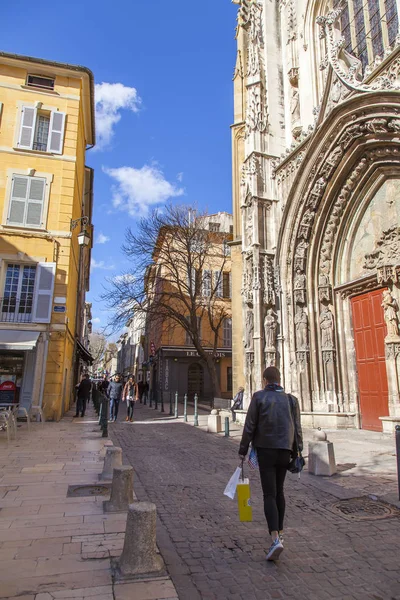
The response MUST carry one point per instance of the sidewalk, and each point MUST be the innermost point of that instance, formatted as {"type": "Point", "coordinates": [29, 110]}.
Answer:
{"type": "Point", "coordinates": [53, 546]}
{"type": "Point", "coordinates": [339, 544]}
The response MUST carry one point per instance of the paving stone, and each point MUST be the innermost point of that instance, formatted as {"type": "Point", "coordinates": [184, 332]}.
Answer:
{"type": "Point", "coordinates": [184, 471]}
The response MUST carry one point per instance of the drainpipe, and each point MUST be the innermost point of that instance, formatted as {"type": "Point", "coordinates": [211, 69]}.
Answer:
{"type": "Point", "coordinates": [45, 353]}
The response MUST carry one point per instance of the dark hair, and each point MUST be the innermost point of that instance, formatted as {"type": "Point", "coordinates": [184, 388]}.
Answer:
{"type": "Point", "coordinates": [272, 375]}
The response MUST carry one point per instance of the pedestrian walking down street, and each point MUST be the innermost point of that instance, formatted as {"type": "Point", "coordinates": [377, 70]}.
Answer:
{"type": "Point", "coordinates": [114, 392]}
{"type": "Point", "coordinates": [83, 390]}
{"type": "Point", "coordinates": [130, 395]}
{"type": "Point", "coordinates": [237, 403]}
{"type": "Point", "coordinates": [272, 420]}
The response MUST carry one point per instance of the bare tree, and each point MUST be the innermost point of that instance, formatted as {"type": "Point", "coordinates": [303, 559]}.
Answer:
{"type": "Point", "coordinates": [177, 279]}
{"type": "Point", "coordinates": [97, 344]}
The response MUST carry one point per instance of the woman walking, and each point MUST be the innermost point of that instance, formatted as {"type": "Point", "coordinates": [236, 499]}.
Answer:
{"type": "Point", "coordinates": [130, 394]}
{"type": "Point", "coordinates": [272, 426]}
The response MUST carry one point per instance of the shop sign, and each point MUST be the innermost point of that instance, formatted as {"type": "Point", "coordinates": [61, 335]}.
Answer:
{"type": "Point", "coordinates": [217, 354]}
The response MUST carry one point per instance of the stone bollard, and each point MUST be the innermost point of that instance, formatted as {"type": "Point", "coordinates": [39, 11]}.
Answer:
{"type": "Point", "coordinates": [121, 490]}
{"type": "Point", "coordinates": [112, 459]}
{"type": "Point", "coordinates": [321, 456]}
{"type": "Point", "coordinates": [139, 556]}
{"type": "Point", "coordinates": [214, 424]}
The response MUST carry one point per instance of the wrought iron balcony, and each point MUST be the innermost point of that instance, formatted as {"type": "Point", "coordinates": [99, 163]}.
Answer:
{"type": "Point", "coordinates": [16, 310]}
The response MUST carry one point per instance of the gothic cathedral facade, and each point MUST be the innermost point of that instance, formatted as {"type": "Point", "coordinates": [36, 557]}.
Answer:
{"type": "Point", "coordinates": [316, 204]}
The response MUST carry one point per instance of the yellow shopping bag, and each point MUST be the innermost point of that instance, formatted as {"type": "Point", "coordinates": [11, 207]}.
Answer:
{"type": "Point", "coordinates": [244, 502]}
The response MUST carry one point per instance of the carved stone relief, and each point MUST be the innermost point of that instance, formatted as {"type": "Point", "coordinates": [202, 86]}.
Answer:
{"type": "Point", "coordinates": [256, 115]}
{"type": "Point", "coordinates": [247, 289]}
{"type": "Point", "coordinates": [385, 258]}
{"type": "Point", "coordinates": [269, 283]}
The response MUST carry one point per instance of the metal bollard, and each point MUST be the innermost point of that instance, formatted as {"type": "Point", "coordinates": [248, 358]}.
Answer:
{"type": "Point", "coordinates": [226, 426]}
{"type": "Point", "coordinates": [144, 398]}
{"type": "Point", "coordinates": [196, 412]}
{"type": "Point", "coordinates": [155, 398]}
{"type": "Point", "coordinates": [398, 455]}
{"type": "Point", "coordinates": [176, 405]}
{"type": "Point", "coordinates": [171, 412]}
{"type": "Point", "coordinates": [185, 408]}
{"type": "Point", "coordinates": [150, 398]}
{"type": "Point", "coordinates": [162, 402]}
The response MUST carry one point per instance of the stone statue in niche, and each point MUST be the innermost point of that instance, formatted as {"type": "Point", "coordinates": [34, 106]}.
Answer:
{"type": "Point", "coordinates": [299, 287]}
{"type": "Point", "coordinates": [270, 326]}
{"type": "Point", "coordinates": [390, 309]}
{"type": "Point", "coordinates": [305, 225]}
{"type": "Point", "coordinates": [248, 343]}
{"type": "Point", "coordinates": [326, 326]}
{"type": "Point", "coordinates": [301, 323]}
{"type": "Point", "coordinates": [299, 280]}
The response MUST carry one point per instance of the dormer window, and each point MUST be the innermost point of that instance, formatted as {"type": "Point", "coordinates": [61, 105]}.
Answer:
{"type": "Point", "coordinates": [39, 81]}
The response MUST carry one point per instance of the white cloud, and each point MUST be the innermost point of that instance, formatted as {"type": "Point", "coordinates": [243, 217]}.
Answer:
{"type": "Point", "coordinates": [96, 320]}
{"type": "Point", "coordinates": [102, 239]}
{"type": "Point", "coordinates": [180, 177]}
{"type": "Point", "coordinates": [101, 265]}
{"type": "Point", "coordinates": [136, 190]}
{"type": "Point", "coordinates": [111, 98]}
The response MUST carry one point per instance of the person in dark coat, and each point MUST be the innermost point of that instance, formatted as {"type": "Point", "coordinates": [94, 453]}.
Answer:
{"type": "Point", "coordinates": [103, 385]}
{"type": "Point", "coordinates": [114, 392]}
{"type": "Point", "coordinates": [272, 425]}
{"type": "Point", "coordinates": [83, 389]}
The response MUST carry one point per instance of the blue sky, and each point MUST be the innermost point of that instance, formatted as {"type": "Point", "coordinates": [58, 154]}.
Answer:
{"type": "Point", "coordinates": [164, 130]}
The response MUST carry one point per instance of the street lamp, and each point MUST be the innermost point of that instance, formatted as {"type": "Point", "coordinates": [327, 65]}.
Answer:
{"type": "Point", "coordinates": [83, 236]}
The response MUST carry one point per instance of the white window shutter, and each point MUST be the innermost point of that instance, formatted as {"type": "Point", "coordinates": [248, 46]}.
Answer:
{"type": "Point", "coordinates": [27, 130]}
{"type": "Point", "coordinates": [34, 214]}
{"type": "Point", "coordinates": [56, 132]}
{"type": "Point", "coordinates": [218, 284]}
{"type": "Point", "coordinates": [43, 297]}
{"type": "Point", "coordinates": [19, 195]}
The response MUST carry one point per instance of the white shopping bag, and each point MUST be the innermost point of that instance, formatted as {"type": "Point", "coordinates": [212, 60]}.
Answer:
{"type": "Point", "coordinates": [230, 489]}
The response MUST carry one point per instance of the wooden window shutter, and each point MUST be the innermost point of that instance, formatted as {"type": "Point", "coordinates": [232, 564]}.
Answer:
{"type": "Point", "coordinates": [43, 297]}
{"type": "Point", "coordinates": [34, 213]}
{"type": "Point", "coordinates": [19, 195]}
{"type": "Point", "coordinates": [227, 285]}
{"type": "Point", "coordinates": [56, 132]}
{"type": "Point", "coordinates": [28, 124]}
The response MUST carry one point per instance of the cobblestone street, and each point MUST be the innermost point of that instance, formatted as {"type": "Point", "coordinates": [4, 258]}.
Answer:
{"type": "Point", "coordinates": [211, 555]}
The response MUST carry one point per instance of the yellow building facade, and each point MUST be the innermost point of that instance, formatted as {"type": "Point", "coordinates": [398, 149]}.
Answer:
{"type": "Point", "coordinates": [46, 126]}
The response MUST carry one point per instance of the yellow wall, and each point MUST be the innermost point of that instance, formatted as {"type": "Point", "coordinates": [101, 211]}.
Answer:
{"type": "Point", "coordinates": [53, 244]}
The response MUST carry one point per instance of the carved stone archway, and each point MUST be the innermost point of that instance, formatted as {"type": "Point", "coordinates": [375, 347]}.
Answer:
{"type": "Point", "coordinates": [340, 161]}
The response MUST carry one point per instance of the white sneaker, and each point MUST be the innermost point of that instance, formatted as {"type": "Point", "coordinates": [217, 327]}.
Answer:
{"type": "Point", "coordinates": [275, 550]}
{"type": "Point", "coordinates": [281, 538]}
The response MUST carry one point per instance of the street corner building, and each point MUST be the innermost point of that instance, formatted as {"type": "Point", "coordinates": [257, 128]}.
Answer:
{"type": "Point", "coordinates": [46, 125]}
{"type": "Point", "coordinates": [316, 203]}
{"type": "Point", "coordinates": [174, 365]}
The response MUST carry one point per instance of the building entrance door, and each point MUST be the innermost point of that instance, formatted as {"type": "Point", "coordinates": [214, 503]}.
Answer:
{"type": "Point", "coordinates": [195, 381]}
{"type": "Point", "coordinates": [369, 337]}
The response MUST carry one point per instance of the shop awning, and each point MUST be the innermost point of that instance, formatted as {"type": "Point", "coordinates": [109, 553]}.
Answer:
{"type": "Point", "coordinates": [11, 339]}
{"type": "Point", "coordinates": [83, 353]}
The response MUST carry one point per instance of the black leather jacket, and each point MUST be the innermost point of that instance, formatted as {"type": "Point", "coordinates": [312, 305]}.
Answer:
{"type": "Point", "coordinates": [269, 422]}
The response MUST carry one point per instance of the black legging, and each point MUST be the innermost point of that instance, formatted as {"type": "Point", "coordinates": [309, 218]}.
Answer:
{"type": "Point", "coordinates": [130, 405]}
{"type": "Point", "coordinates": [273, 468]}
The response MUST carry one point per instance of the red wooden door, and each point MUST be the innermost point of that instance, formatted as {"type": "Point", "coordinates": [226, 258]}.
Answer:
{"type": "Point", "coordinates": [369, 336]}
